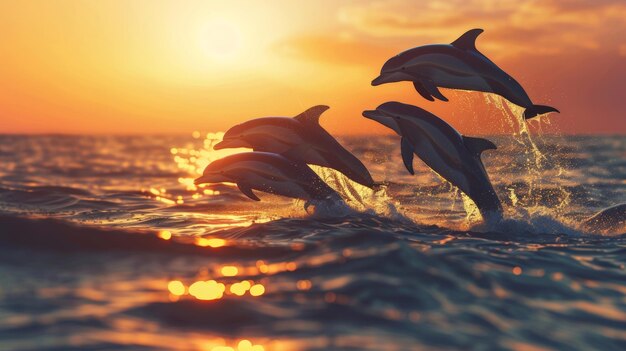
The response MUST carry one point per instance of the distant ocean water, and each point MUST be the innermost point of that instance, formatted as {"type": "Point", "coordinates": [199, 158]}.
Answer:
{"type": "Point", "coordinates": [105, 244]}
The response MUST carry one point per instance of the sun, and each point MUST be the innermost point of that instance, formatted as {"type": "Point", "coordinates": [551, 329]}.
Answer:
{"type": "Point", "coordinates": [222, 40]}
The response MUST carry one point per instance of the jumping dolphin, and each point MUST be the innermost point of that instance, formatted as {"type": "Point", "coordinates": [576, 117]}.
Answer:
{"type": "Point", "coordinates": [301, 139]}
{"type": "Point", "coordinates": [453, 156]}
{"type": "Point", "coordinates": [270, 173]}
{"type": "Point", "coordinates": [610, 220]}
{"type": "Point", "coordinates": [458, 65]}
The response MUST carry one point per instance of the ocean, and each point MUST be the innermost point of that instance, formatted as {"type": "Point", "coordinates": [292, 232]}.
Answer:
{"type": "Point", "coordinates": [106, 244]}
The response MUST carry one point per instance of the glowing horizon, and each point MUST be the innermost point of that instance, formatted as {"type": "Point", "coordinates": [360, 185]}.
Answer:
{"type": "Point", "coordinates": [149, 67]}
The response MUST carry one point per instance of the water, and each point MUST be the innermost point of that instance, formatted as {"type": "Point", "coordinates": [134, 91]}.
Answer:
{"type": "Point", "coordinates": [87, 261]}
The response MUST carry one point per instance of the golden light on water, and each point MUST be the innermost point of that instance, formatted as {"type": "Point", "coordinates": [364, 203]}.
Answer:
{"type": "Point", "coordinates": [207, 290]}
{"type": "Point", "coordinates": [262, 267]}
{"type": "Point", "coordinates": [303, 284]}
{"type": "Point", "coordinates": [176, 287]}
{"type": "Point", "coordinates": [213, 290]}
{"type": "Point", "coordinates": [246, 345]}
{"type": "Point", "coordinates": [210, 242]}
{"type": "Point", "coordinates": [242, 345]}
{"type": "Point", "coordinates": [229, 271]}
{"type": "Point", "coordinates": [257, 290]}
{"type": "Point", "coordinates": [165, 234]}
{"type": "Point", "coordinates": [193, 161]}
{"type": "Point", "coordinates": [240, 289]}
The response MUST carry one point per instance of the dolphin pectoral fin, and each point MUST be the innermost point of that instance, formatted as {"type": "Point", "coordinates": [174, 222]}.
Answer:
{"type": "Point", "coordinates": [536, 110]}
{"type": "Point", "coordinates": [422, 90]}
{"type": "Point", "coordinates": [407, 154]}
{"type": "Point", "coordinates": [467, 41]}
{"type": "Point", "coordinates": [247, 191]}
{"type": "Point", "coordinates": [432, 89]}
{"type": "Point", "coordinates": [478, 145]}
{"type": "Point", "coordinates": [312, 115]}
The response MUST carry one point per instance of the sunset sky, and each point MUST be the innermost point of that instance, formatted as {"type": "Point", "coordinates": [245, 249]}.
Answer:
{"type": "Point", "coordinates": [126, 67]}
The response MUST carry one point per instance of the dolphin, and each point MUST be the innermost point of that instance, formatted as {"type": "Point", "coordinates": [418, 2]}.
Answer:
{"type": "Point", "coordinates": [268, 172]}
{"type": "Point", "coordinates": [300, 139]}
{"type": "Point", "coordinates": [458, 65]}
{"type": "Point", "coordinates": [610, 220]}
{"type": "Point", "coordinates": [453, 156]}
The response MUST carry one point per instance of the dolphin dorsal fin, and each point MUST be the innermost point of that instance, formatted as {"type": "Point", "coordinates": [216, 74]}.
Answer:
{"type": "Point", "coordinates": [312, 115]}
{"type": "Point", "coordinates": [478, 145]}
{"type": "Point", "coordinates": [467, 41]}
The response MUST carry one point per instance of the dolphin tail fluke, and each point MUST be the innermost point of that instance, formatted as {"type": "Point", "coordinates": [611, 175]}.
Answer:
{"type": "Point", "coordinates": [536, 110]}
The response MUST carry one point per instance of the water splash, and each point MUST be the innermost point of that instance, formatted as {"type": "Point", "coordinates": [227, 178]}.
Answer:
{"type": "Point", "coordinates": [535, 163]}
{"type": "Point", "coordinates": [357, 196]}
{"type": "Point", "coordinates": [473, 215]}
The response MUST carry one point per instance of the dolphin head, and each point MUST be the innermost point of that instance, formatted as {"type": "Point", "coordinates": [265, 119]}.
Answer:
{"type": "Point", "coordinates": [392, 113]}
{"type": "Point", "coordinates": [395, 70]}
{"type": "Point", "coordinates": [233, 138]}
{"type": "Point", "coordinates": [214, 173]}
{"type": "Point", "coordinates": [399, 110]}
{"type": "Point", "coordinates": [383, 118]}
{"type": "Point", "coordinates": [391, 77]}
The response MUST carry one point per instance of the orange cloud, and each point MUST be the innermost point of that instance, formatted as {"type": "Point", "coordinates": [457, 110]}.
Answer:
{"type": "Point", "coordinates": [527, 27]}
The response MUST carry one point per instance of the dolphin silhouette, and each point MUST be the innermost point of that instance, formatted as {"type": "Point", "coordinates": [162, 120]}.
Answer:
{"type": "Point", "coordinates": [270, 173]}
{"type": "Point", "coordinates": [301, 139]}
{"type": "Point", "coordinates": [454, 157]}
{"type": "Point", "coordinates": [611, 219]}
{"type": "Point", "coordinates": [458, 65]}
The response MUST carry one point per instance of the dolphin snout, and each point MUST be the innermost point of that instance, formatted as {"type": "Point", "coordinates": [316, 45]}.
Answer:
{"type": "Point", "coordinates": [375, 115]}
{"type": "Point", "coordinates": [229, 144]}
{"type": "Point", "coordinates": [220, 145]}
{"type": "Point", "coordinates": [391, 77]}
{"type": "Point", "coordinates": [372, 114]}
{"type": "Point", "coordinates": [199, 180]}
{"type": "Point", "coordinates": [211, 177]}
{"type": "Point", "coordinates": [378, 80]}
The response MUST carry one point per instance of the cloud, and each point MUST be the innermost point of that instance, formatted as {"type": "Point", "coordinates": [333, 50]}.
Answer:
{"type": "Point", "coordinates": [525, 27]}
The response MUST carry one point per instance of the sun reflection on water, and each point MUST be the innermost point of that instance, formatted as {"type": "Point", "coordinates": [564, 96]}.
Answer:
{"type": "Point", "coordinates": [210, 242]}
{"type": "Point", "coordinates": [208, 290]}
{"type": "Point", "coordinates": [229, 271]}
{"type": "Point", "coordinates": [193, 161]}
{"type": "Point", "coordinates": [241, 345]}
{"type": "Point", "coordinates": [165, 234]}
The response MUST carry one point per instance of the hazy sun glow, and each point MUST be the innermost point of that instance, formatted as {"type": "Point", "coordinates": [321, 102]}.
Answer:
{"type": "Point", "coordinates": [223, 40]}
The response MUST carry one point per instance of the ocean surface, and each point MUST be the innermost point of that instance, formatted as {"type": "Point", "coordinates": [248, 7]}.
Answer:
{"type": "Point", "coordinates": [106, 244]}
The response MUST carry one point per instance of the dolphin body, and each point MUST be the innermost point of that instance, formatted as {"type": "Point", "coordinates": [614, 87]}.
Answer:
{"type": "Point", "coordinates": [458, 65]}
{"type": "Point", "coordinates": [611, 219]}
{"type": "Point", "coordinates": [270, 173]}
{"type": "Point", "coordinates": [300, 139]}
{"type": "Point", "coordinates": [453, 156]}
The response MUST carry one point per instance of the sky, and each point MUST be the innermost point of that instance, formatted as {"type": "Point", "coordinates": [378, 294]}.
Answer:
{"type": "Point", "coordinates": [154, 67]}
